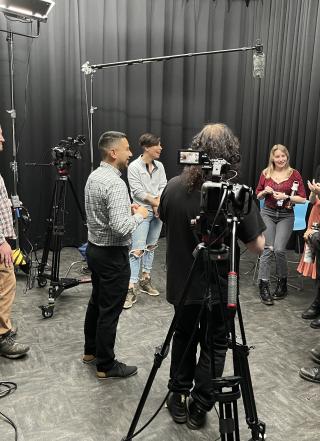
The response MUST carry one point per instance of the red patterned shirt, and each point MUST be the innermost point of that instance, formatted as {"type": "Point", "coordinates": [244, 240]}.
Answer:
{"type": "Point", "coordinates": [282, 187]}
{"type": "Point", "coordinates": [6, 221]}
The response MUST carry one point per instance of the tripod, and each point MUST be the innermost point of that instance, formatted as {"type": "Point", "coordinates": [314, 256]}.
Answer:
{"type": "Point", "coordinates": [227, 390]}
{"type": "Point", "coordinates": [53, 240]}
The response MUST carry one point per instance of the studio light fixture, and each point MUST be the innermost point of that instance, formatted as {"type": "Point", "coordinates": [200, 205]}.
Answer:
{"type": "Point", "coordinates": [27, 9]}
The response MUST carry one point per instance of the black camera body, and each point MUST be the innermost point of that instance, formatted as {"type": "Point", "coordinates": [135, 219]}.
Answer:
{"type": "Point", "coordinates": [66, 150]}
{"type": "Point", "coordinates": [215, 191]}
{"type": "Point", "coordinates": [235, 196]}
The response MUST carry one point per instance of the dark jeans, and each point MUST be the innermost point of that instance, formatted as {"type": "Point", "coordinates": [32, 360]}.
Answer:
{"type": "Point", "coordinates": [193, 374]}
{"type": "Point", "coordinates": [279, 225]}
{"type": "Point", "coordinates": [110, 278]}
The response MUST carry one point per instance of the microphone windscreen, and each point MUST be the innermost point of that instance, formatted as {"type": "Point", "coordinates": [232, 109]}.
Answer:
{"type": "Point", "coordinates": [259, 60]}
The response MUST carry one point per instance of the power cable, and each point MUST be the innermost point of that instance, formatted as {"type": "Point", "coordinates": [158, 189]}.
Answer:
{"type": "Point", "coordinates": [8, 387]}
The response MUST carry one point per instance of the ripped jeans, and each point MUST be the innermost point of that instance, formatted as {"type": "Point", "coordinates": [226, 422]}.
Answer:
{"type": "Point", "coordinates": [144, 238]}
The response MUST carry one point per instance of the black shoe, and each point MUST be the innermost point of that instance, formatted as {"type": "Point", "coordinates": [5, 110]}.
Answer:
{"type": "Point", "coordinates": [312, 312]}
{"type": "Point", "coordinates": [196, 417]}
{"type": "Point", "coordinates": [315, 353]}
{"type": "Point", "coordinates": [315, 324]}
{"type": "Point", "coordinates": [281, 290]}
{"type": "Point", "coordinates": [118, 370]}
{"type": "Point", "coordinates": [176, 404]}
{"type": "Point", "coordinates": [310, 374]}
{"type": "Point", "coordinates": [264, 292]}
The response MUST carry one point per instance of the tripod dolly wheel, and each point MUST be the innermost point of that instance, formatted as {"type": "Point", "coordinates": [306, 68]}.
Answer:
{"type": "Point", "coordinates": [47, 311]}
{"type": "Point", "coordinates": [42, 282]}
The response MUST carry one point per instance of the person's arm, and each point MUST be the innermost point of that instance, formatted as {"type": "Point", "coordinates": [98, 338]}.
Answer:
{"type": "Point", "coordinates": [257, 245]}
{"type": "Point", "coordinates": [5, 248]}
{"type": "Point", "coordinates": [162, 185]}
{"type": "Point", "coordinates": [153, 201]}
{"type": "Point", "coordinates": [163, 179]}
{"type": "Point", "coordinates": [297, 199]}
{"type": "Point", "coordinates": [162, 205]}
{"type": "Point", "coordinates": [250, 230]}
{"type": "Point", "coordinates": [312, 198]}
{"type": "Point", "coordinates": [119, 209]}
{"type": "Point", "coordinates": [5, 253]}
{"type": "Point", "coordinates": [314, 188]}
{"type": "Point", "coordinates": [263, 190]}
{"type": "Point", "coordinates": [137, 189]}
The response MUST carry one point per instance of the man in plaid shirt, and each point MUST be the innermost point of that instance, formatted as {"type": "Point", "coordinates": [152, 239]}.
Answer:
{"type": "Point", "coordinates": [8, 346]}
{"type": "Point", "coordinates": [111, 219]}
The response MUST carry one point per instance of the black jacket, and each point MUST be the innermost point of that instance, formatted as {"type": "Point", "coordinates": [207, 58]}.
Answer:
{"type": "Point", "coordinates": [177, 208]}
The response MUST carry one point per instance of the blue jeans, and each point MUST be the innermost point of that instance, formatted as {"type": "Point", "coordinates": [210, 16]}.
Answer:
{"type": "Point", "coordinates": [144, 238]}
{"type": "Point", "coordinates": [279, 225]}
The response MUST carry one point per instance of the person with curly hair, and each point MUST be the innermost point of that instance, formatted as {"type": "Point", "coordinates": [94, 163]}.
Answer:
{"type": "Point", "coordinates": [179, 204]}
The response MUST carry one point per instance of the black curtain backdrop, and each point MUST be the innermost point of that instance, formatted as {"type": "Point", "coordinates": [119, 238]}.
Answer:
{"type": "Point", "coordinates": [173, 99]}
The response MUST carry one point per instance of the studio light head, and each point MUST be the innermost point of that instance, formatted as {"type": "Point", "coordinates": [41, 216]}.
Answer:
{"type": "Point", "coordinates": [27, 9]}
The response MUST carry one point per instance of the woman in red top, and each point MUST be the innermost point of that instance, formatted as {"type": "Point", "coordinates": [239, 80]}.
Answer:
{"type": "Point", "coordinates": [276, 184]}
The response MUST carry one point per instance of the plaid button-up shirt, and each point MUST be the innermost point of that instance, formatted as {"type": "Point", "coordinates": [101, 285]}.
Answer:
{"type": "Point", "coordinates": [108, 208]}
{"type": "Point", "coordinates": [6, 220]}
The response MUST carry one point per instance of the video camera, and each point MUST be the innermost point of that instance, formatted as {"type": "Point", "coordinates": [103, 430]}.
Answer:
{"type": "Point", "coordinates": [65, 151]}
{"type": "Point", "coordinates": [218, 195]}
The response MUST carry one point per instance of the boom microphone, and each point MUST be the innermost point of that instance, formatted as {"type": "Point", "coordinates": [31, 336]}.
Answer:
{"type": "Point", "coordinates": [259, 60]}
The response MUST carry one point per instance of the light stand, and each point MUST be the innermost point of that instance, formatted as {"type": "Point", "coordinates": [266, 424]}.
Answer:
{"type": "Point", "coordinates": [20, 9]}
{"type": "Point", "coordinates": [90, 69]}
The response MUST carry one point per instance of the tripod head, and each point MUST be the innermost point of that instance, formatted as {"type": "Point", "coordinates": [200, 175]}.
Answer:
{"type": "Point", "coordinates": [65, 152]}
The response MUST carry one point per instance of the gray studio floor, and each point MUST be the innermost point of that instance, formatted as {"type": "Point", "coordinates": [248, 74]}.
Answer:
{"type": "Point", "coordinates": [59, 398]}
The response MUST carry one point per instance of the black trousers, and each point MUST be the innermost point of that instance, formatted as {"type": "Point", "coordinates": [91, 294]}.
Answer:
{"type": "Point", "coordinates": [190, 374]}
{"type": "Point", "coordinates": [110, 278]}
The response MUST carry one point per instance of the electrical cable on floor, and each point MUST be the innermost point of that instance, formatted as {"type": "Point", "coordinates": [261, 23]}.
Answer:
{"type": "Point", "coordinates": [7, 387]}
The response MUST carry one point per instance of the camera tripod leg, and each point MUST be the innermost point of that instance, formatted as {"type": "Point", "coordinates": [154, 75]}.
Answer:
{"type": "Point", "coordinates": [257, 427]}
{"type": "Point", "coordinates": [227, 393]}
{"type": "Point", "coordinates": [161, 352]}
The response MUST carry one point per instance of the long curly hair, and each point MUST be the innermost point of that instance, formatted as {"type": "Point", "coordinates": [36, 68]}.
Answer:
{"type": "Point", "coordinates": [218, 141]}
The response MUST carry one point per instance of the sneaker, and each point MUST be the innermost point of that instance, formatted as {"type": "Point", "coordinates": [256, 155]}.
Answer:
{"type": "Point", "coordinates": [130, 299]}
{"type": "Point", "coordinates": [310, 374]}
{"type": "Point", "coordinates": [89, 359]}
{"type": "Point", "coordinates": [176, 404]}
{"type": "Point", "coordinates": [10, 348]}
{"type": "Point", "coordinates": [196, 417]}
{"type": "Point", "coordinates": [118, 370]}
{"type": "Point", "coordinates": [145, 286]}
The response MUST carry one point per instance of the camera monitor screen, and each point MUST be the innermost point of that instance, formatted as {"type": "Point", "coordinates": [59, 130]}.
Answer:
{"type": "Point", "coordinates": [189, 157]}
